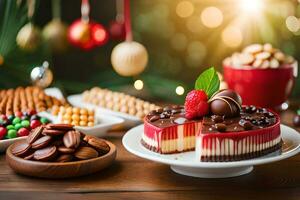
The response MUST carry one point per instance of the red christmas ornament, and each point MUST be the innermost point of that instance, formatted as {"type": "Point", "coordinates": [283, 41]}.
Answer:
{"type": "Point", "coordinates": [99, 34]}
{"type": "Point", "coordinates": [117, 30]}
{"type": "Point", "coordinates": [86, 34]}
{"type": "Point", "coordinates": [80, 35]}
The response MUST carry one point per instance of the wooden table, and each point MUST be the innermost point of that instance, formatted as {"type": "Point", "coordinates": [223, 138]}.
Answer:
{"type": "Point", "coordinates": [131, 177]}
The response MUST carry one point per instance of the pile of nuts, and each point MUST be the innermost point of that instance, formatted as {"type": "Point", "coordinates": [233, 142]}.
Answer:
{"type": "Point", "coordinates": [119, 102]}
{"type": "Point", "coordinates": [259, 56]}
{"type": "Point", "coordinates": [59, 143]}
{"type": "Point", "coordinates": [25, 100]}
{"type": "Point", "coordinates": [74, 116]}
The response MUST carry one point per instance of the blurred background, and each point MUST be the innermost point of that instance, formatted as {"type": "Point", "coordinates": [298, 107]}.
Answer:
{"type": "Point", "coordinates": [182, 37]}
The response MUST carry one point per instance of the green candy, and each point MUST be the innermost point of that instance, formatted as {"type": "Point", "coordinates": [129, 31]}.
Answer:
{"type": "Point", "coordinates": [10, 127]}
{"type": "Point", "coordinates": [11, 134]}
{"type": "Point", "coordinates": [44, 120]}
{"type": "Point", "coordinates": [18, 126]}
{"type": "Point", "coordinates": [25, 123]}
{"type": "Point", "coordinates": [16, 120]}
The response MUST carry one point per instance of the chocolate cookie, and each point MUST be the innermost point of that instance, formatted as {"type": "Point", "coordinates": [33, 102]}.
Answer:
{"type": "Point", "coordinates": [71, 139]}
{"type": "Point", "coordinates": [41, 142]}
{"type": "Point", "coordinates": [99, 144]}
{"type": "Point", "coordinates": [65, 150]}
{"type": "Point", "coordinates": [45, 154]}
{"type": "Point", "coordinates": [64, 158]}
{"type": "Point", "coordinates": [20, 149]}
{"type": "Point", "coordinates": [35, 134]}
{"type": "Point", "coordinates": [84, 153]}
{"type": "Point", "coordinates": [65, 127]}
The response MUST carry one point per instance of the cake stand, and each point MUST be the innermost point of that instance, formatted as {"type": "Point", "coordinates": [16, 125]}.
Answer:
{"type": "Point", "coordinates": [186, 163]}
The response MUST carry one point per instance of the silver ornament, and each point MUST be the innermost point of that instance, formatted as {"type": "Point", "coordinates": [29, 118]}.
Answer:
{"type": "Point", "coordinates": [42, 76]}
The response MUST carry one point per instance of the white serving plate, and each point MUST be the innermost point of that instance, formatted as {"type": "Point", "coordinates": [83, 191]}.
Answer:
{"type": "Point", "coordinates": [186, 163]}
{"type": "Point", "coordinates": [54, 92]}
{"type": "Point", "coordinates": [4, 144]}
{"type": "Point", "coordinates": [129, 120]}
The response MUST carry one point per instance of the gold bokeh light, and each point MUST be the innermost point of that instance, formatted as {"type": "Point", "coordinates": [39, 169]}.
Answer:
{"type": "Point", "coordinates": [232, 36]}
{"type": "Point", "coordinates": [292, 23]}
{"type": "Point", "coordinates": [184, 9]}
{"type": "Point", "coordinates": [138, 84]}
{"type": "Point", "coordinates": [179, 90]}
{"type": "Point", "coordinates": [212, 17]}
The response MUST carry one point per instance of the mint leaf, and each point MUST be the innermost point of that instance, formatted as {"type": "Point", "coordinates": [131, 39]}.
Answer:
{"type": "Point", "coordinates": [208, 81]}
{"type": "Point", "coordinates": [298, 112]}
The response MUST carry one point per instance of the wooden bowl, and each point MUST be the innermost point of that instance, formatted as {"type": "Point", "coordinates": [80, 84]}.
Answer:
{"type": "Point", "coordinates": [55, 170]}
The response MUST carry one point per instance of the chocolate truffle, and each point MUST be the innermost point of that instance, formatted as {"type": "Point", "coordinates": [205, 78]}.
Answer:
{"type": "Point", "coordinates": [226, 103]}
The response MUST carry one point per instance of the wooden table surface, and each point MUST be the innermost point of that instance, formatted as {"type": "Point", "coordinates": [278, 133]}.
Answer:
{"type": "Point", "coordinates": [131, 177]}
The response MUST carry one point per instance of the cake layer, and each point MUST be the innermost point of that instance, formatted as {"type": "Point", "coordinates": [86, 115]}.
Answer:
{"type": "Point", "coordinates": [176, 138]}
{"type": "Point", "coordinates": [225, 158]}
{"type": "Point", "coordinates": [170, 146]}
{"type": "Point", "coordinates": [236, 144]}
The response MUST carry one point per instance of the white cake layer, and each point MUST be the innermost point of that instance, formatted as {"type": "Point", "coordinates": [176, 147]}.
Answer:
{"type": "Point", "coordinates": [229, 147]}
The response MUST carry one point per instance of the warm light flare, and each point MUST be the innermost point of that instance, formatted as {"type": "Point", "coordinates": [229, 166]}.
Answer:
{"type": "Point", "coordinates": [251, 6]}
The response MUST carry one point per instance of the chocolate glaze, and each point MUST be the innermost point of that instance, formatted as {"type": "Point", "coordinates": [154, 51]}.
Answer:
{"type": "Point", "coordinates": [174, 115]}
{"type": "Point", "coordinates": [168, 116]}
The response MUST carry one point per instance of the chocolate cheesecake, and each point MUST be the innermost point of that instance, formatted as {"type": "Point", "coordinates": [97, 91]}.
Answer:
{"type": "Point", "coordinates": [229, 132]}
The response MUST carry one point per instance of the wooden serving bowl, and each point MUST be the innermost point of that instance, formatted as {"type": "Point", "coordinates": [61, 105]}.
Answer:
{"type": "Point", "coordinates": [56, 170]}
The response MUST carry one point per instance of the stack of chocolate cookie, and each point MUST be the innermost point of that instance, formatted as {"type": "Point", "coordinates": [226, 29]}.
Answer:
{"type": "Point", "coordinates": [59, 143]}
{"type": "Point", "coordinates": [25, 100]}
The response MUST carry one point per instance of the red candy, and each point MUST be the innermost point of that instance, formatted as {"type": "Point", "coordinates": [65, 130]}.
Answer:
{"type": "Point", "coordinates": [3, 132]}
{"type": "Point", "coordinates": [3, 117]}
{"type": "Point", "coordinates": [32, 112]}
{"type": "Point", "coordinates": [18, 114]}
{"type": "Point", "coordinates": [35, 123]}
{"type": "Point", "coordinates": [196, 104]}
{"type": "Point", "coordinates": [23, 132]}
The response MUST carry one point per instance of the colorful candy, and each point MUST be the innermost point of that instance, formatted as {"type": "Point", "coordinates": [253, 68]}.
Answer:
{"type": "Point", "coordinates": [19, 124]}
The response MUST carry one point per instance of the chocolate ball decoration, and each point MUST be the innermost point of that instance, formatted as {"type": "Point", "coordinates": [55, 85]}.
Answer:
{"type": "Point", "coordinates": [226, 103]}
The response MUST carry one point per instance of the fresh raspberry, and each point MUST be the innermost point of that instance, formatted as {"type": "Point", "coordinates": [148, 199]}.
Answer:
{"type": "Point", "coordinates": [196, 104]}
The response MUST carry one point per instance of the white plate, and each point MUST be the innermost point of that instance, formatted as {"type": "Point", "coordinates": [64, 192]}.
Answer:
{"type": "Point", "coordinates": [186, 163]}
{"type": "Point", "coordinates": [4, 144]}
{"type": "Point", "coordinates": [129, 120]}
{"type": "Point", "coordinates": [103, 123]}
{"type": "Point", "coordinates": [54, 92]}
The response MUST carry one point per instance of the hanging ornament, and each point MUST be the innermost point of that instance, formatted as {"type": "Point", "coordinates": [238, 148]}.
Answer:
{"type": "Point", "coordinates": [99, 34]}
{"type": "Point", "coordinates": [55, 32]}
{"type": "Point", "coordinates": [29, 37]}
{"type": "Point", "coordinates": [129, 58]}
{"type": "Point", "coordinates": [1, 60]}
{"type": "Point", "coordinates": [117, 26]}
{"type": "Point", "coordinates": [85, 34]}
{"type": "Point", "coordinates": [41, 75]}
